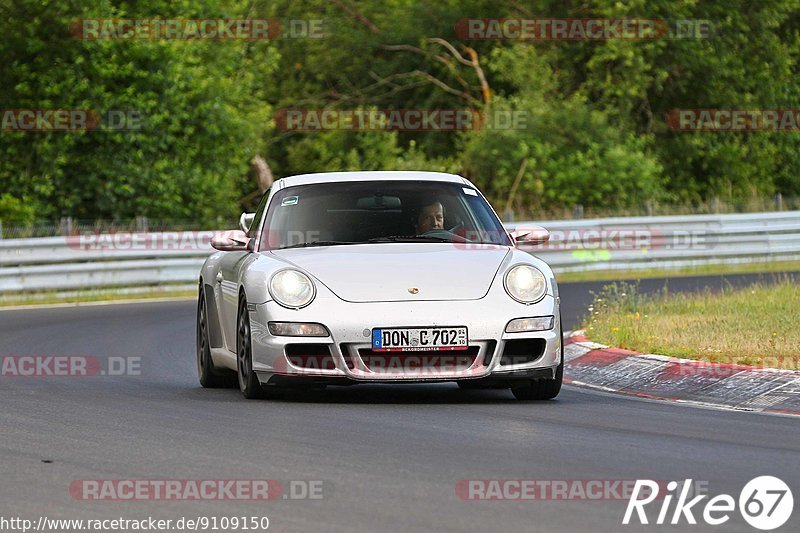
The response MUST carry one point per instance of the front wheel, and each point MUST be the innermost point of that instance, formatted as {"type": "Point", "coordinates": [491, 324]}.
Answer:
{"type": "Point", "coordinates": [540, 389]}
{"type": "Point", "coordinates": [209, 376]}
{"type": "Point", "coordinates": [248, 380]}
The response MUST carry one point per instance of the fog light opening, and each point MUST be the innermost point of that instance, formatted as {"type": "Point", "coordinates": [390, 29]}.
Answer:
{"type": "Point", "coordinates": [539, 323]}
{"type": "Point", "coordinates": [297, 329]}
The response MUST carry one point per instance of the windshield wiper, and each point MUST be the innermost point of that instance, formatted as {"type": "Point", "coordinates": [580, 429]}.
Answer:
{"type": "Point", "coordinates": [431, 238]}
{"type": "Point", "coordinates": [410, 238]}
{"type": "Point", "coordinates": [318, 243]}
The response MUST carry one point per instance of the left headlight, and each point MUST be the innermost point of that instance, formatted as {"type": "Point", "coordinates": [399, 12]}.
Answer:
{"type": "Point", "coordinates": [291, 288]}
{"type": "Point", "coordinates": [525, 284]}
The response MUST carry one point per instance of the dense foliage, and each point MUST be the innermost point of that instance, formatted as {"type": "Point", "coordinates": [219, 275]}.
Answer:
{"type": "Point", "coordinates": [595, 132]}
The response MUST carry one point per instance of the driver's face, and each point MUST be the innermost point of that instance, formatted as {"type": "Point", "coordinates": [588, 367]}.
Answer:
{"type": "Point", "coordinates": [431, 217]}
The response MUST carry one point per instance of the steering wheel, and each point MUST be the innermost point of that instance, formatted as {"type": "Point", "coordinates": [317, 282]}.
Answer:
{"type": "Point", "coordinates": [446, 234]}
{"type": "Point", "coordinates": [458, 226]}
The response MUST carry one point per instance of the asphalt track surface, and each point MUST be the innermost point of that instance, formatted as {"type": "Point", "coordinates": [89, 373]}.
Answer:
{"type": "Point", "coordinates": [388, 457]}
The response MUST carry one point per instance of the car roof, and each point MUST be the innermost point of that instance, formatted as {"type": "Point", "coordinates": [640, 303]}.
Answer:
{"type": "Point", "coordinates": [376, 175]}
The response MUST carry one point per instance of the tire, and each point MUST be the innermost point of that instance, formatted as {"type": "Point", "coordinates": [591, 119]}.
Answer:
{"type": "Point", "coordinates": [208, 375]}
{"type": "Point", "coordinates": [249, 385]}
{"type": "Point", "coordinates": [546, 388]}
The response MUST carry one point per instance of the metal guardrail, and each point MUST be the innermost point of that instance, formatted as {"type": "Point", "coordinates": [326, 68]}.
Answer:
{"type": "Point", "coordinates": [154, 259]}
{"type": "Point", "coordinates": [668, 242]}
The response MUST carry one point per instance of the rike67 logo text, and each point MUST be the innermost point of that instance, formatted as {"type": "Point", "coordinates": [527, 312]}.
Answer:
{"type": "Point", "coordinates": [765, 503]}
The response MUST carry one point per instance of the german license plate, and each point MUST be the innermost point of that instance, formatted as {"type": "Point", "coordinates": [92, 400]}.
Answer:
{"type": "Point", "coordinates": [418, 339]}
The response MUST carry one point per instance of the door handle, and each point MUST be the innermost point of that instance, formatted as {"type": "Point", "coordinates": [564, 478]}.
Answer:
{"type": "Point", "coordinates": [219, 277]}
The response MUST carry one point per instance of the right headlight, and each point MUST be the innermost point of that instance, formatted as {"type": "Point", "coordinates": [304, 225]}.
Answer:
{"type": "Point", "coordinates": [291, 288]}
{"type": "Point", "coordinates": [525, 284]}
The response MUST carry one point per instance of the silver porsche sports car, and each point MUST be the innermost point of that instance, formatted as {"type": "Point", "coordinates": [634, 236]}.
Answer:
{"type": "Point", "coordinates": [377, 277]}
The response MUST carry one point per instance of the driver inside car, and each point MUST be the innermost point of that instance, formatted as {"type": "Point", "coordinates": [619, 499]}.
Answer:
{"type": "Point", "coordinates": [431, 217]}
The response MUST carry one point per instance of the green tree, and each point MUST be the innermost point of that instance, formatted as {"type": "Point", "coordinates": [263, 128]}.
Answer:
{"type": "Point", "coordinates": [202, 119]}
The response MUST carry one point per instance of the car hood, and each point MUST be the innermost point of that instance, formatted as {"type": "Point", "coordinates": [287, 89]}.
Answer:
{"type": "Point", "coordinates": [390, 272]}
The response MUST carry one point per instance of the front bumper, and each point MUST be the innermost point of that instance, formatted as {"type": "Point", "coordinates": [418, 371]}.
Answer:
{"type": "Point", "coordinates": [348, 345]}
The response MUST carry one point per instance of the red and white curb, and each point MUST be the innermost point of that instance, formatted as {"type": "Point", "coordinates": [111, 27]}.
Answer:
{"type": "Point", "coordinates": [720, 385]}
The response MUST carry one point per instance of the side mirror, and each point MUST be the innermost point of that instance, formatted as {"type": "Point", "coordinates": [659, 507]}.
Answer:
{"type": "Point", "coordinates": [231, 241]}
{"type": "Point", "coordinates": [245, 221]}
{"type": "Point", "coordinates": [530, 235]}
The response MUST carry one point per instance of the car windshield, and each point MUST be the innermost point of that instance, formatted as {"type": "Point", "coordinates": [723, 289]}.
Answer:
{"type": "Point", "coordinates": [359, 212]}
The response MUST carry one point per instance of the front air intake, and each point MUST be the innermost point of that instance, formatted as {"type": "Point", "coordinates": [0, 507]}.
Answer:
{"type": "Point", "coordinates": [520, 351]}
{"type": "Point", "coordinates": [310, 356]}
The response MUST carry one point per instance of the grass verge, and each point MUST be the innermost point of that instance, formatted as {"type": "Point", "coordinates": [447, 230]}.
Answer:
{"type": "Point", "coordinates": [704, 270]}
{"type": "Point", "coordinates": [94, 295]}
{"type": "Point", "coordinates": [756, 325]}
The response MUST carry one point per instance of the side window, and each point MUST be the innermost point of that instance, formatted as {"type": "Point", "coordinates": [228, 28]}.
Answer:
{"type": "Point", "coordinates": [259, 214]}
